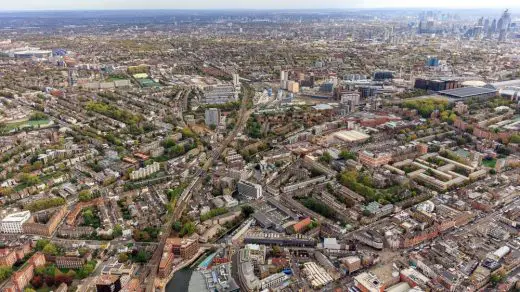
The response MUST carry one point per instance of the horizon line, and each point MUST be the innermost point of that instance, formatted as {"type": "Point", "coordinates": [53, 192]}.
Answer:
{"type": "Point", "coordinates": [254, 9]}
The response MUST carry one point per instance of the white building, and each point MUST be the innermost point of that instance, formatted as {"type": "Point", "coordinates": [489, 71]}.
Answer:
{"type": "Point", "coordinates": [316, 275]}
{"type": "Point", "coordinates": [273, 280]}
{"type": "Point", "coordinates": [368, 282]}
{"type": "Point", "coordinates": [351, 99]}
{"type": "Point", "coordinates": [230, 201]}
{"type": "Point", "coordinates": [145, 171]}
{"type": "Point", "coordinates": [249, 189]}
{"type": "Point", "coordinates": [284, 79]}
{"type": "Point", "coordinates": [13, 222]}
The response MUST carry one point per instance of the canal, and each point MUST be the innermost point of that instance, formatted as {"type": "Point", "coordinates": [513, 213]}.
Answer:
{"type": "Point", "coordinates": [180, 281]}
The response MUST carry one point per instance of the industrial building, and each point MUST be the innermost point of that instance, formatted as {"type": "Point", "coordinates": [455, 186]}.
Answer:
{"type": "Point", "coordinates": [470, 92]}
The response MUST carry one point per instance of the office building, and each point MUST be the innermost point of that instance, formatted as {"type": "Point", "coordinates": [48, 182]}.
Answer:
{"type": "Point", "coordinates": [414, 278]}
{"type": "Point", "coordinates": [284, 79]}
{"type": "Point", "coordinates": [212, 116]}
{"type": "Point", "coordinates": [273, 280]}
{"type": "Point", "coordinates": [293, 86]}
{"type": "Point", "coordinates": [436, 84]}
{"type": "Point", "coordinates": [383, 75]}
{"type": "Point", "coordinates": [368, 282]}
{"type": "Point", "coordinates": [249, 189]}
{"type": "Point", "coordinates": [374, 159]}
{"type": "Point", "coordinates": [503, 25]}
{"type": "Point", "coordinates": [13, 222]}
{"type": "Point", "coordinates": [368, 91]}
{"type": "Point", "coordinates": [351, 99]}
{"type": "Point", "coordinates": [108, 283]}
{"type": "Point", "coordinates": [185, 247]}
{"type": "Point", "coordinates": [255, 253]}
{"type": "Point", "coordinates": [352, 263]}
{"type": "Point", "coordinates": [236, 80]}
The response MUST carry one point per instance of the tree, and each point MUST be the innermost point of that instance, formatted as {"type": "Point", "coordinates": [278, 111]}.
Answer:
{"type": "Point", "coordinates": [277, 250]}
{"type": "Point", "coordinates": [40, 244]}
{"type": "Point", "coordinates": [187, 133]}
{"type": "Point", "coordinates": [177, 226]}
{"type": "Point", "coordinates": [168, 143]}
{"type": "Point", "coordinates": [247, 211]}
{"type": "Point", "coordinates": [141, 256]}
{"type": "Point", "coordinates": [37, 281]}
{"type": "Point", "coordinates": [496, 278]}
{"type": "Point", "coordinates": [86, 269]}
{"type": "Point", "coordinates": [347, 155]}
{"type": "Point", "coordinates": [515, 139]}
{"type": "Point", "coordinates": [326, 157]}
{"type": "Point", "coordinates": [145, 236]}
{"type": "Point", "coordinates": [6, 191]}
{"type": "Point", "coordinates": [50, 270]}
{"type": "Point", "coordinates": [122, 257]}
{"type": "Point", "coordinates": [212, 213]}
{"type": "Point", "coordinates": [43, 204]}
{"type": "Point", "coordinates": [85, 195]}
{"type": "Point", "coordinates": [118, 230]}
{"type": "Point", "coordinates": [5, 272]}
{"type": "Point", "coordinates": [38, 116]}
{"type": "Point", "coordinates": [50, 249]}
{"type": "Point", "coordinates": [49, 280]}
{"type": "Point", "coordinates": [187, 229]}
{"type": "Point", "coordinates": [29, 179]}
{"type": "Point", "coordinates": [62, 278]}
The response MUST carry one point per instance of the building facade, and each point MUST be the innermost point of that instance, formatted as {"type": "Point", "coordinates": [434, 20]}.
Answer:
{"type": "Point", "coordinates": [13, 222]}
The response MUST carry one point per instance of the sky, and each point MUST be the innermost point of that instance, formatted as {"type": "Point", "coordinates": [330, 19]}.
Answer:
{"type": "Point", "coordinates": [9, 5]}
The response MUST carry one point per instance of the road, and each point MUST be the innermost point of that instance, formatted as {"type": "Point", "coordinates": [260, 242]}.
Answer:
{"type": "Point", "coordinates": [149, 274]}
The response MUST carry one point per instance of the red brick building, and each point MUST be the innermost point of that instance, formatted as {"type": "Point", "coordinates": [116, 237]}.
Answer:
{"type": "Point", "coordinates": [302, 224]}
{"type": "Point", "coordinates": [7, 257]}
{"type": "Point", "coordinates": [21, 278]}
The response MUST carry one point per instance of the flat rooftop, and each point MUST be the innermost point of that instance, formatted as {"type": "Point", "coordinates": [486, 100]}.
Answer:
{"type": "Point", "coordinates": [351, 136]}
{"type": "Point", "coordinates": [465, 92]}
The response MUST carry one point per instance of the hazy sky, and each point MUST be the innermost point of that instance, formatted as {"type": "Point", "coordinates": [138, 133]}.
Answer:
{"type": "Point", "coordinates": [249, 4]}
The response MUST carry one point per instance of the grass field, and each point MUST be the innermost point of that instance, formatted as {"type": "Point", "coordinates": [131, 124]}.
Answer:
{"type": "Point", "coordinates": [489, 163]}
{"type": "Point", "coordinates": [25, 124]}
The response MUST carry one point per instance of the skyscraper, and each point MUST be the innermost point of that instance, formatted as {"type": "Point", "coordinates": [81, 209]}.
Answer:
{"type": "Point", "coordinates": [493, 27]}
{"type": "Point", "coordinates": [236, 79]}
{"type": "Point", "coordinates": [284, 79]}
{"type": "Point", "coordinates": [503, 25]}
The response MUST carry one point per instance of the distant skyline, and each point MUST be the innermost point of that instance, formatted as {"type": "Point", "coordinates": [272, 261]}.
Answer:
{"type": "Point", "coordinates": [251, 4]}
